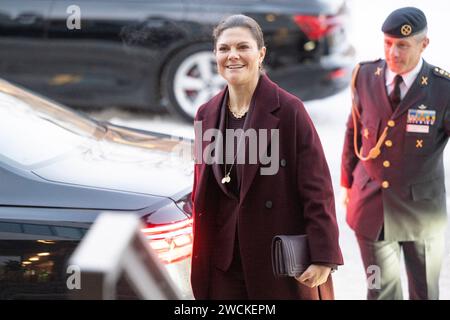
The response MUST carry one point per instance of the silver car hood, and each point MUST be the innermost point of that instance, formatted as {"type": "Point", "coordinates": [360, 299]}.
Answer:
{"type": "Point", "coordinates": [125, 160]}
{"type": "Point", "coordinates": [51, 156]}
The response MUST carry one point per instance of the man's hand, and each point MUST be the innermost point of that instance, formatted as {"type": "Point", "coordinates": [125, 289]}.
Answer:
{"type": "Point", "coordinates": [345, 196]}
{"type": "Point", "coordinates": [314, 276]}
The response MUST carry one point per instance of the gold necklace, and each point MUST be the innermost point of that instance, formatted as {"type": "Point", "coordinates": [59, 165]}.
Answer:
{"type": "Point", "coordinates": [227, 178]}
{"type": "Point", "coordinates": [237, 115]}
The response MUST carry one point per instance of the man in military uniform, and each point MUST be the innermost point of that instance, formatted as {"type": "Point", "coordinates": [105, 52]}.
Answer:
{"type": "Point", "coordinates": [392, 162]}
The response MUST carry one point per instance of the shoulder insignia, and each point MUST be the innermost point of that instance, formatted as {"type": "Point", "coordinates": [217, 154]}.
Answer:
{"type": "Point", "coordinates": [441, 73]}
{"type": "Point", "coordinates": [371, 66]}
{"type": "Point", "coordinates": [370, 61]}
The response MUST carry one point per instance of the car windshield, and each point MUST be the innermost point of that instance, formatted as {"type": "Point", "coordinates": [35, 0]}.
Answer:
{"type": "Point", "coordinates": [33, 129]}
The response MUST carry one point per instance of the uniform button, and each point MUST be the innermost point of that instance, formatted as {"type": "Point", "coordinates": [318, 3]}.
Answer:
{"type": "Point", "coordinates": [385, 184]}
{"type": "Point", "coordinates": [388, 143]}
{"type": "Point", "coordinates": [391, 123]}
{"type": "Point", "coordinates": [283, 162]}
{"type": "Point", "coordinates": [269, 204]}
{"type": "Point", "coordinates": [386, 164]}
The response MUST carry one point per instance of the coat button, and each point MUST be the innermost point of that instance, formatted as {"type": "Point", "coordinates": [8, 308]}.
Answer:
{"type": "Point", "coordinates": [391, 123]}
{"type": "Point", "coordinates": [385, 184]}
{"type": "Point", "coordinates": [388, 143]}
{"type": "Point", "coordinates": [386, 164]}
{"type": "Point", "coordinates": [269, 204]}
{"type": "Point", "coordinates": [283, 162]}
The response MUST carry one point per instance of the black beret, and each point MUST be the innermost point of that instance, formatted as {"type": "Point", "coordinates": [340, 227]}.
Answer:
{"type": "Point", "coordinates": [404, 22]}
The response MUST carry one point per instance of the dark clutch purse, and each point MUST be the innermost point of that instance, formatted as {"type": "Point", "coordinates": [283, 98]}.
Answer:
{"type": "Point", "coordinates": [290, 255]}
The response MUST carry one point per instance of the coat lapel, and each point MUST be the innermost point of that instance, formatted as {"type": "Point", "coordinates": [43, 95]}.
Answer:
{"type": "Point", "coordinates": [261, 117]}
{"type": "Point", "coordinates": [380, 86]}
{"type": "Point", "coordinates": [209, 120]}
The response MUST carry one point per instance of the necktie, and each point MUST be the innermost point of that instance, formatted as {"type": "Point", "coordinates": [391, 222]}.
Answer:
{"type": "Point", "coordinates": [395, 96]}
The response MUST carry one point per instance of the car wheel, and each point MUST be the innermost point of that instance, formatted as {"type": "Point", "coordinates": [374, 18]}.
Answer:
{"type": "Point", "coordinates": [190, 79]}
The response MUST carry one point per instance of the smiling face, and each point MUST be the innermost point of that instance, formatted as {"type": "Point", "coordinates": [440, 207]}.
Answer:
{"type": "Point", "coordinates": [403, 54]}
{"type": "Point", "coordinates": [238, 57]}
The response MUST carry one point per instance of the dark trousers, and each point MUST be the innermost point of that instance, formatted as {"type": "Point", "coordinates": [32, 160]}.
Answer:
{"type": "Point", "coordinates": [229, 284]}
{"type": "Point", "coordinates": [423, 260]}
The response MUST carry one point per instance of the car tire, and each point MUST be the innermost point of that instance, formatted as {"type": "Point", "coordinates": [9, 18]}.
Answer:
{"type": "Point", "coordinates": [190, 79]}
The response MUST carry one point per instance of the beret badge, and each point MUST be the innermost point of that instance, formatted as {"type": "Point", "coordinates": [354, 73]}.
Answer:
{"type": "Point", "coordinates": [406, 30]}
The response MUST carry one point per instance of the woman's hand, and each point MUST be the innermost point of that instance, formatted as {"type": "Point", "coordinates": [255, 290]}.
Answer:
{"type": "Point", "coordinates": [314, 276]}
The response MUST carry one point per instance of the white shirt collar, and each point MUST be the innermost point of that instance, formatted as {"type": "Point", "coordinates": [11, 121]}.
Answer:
{"type": "Point", "coordinates": [408, 78]}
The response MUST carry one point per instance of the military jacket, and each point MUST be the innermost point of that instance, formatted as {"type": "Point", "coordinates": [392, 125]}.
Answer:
{"type": "Point", "coordinates": [403, 189]}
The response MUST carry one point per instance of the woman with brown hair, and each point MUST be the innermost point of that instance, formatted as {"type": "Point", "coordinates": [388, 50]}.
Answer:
{"type": "Point", "coordinates": [240, 204]}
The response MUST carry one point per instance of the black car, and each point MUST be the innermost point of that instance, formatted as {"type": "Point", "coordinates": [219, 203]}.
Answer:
{"type": "Point", "coordinates": [158, 54]}
{"type": "Point", "coordinates": [59, 170]}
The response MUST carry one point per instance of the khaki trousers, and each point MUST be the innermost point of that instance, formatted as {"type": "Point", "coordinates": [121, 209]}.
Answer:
{"type": "Point", "coordinates": [423, 261]}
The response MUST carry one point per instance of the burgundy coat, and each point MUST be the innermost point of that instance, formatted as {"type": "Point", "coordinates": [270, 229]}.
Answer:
{"type": "Point", "coordinates": [298, 199]}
